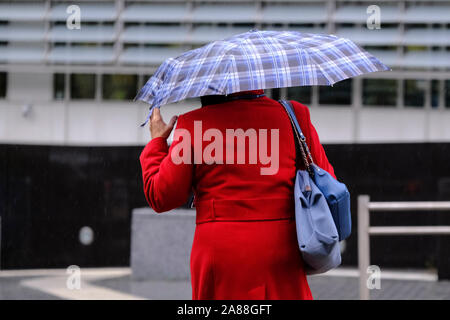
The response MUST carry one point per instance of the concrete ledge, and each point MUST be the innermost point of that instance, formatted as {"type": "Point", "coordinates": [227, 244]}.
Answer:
{"type": "Point", "coordinates": [161, 244]}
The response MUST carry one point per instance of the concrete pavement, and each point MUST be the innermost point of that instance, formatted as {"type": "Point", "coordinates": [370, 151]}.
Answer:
{"type": "Point", "coordinates": [116, 283]}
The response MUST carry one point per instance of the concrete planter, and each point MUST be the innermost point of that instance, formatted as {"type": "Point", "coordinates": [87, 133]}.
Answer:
{"type": "Point", "coordinates": [161, 244]}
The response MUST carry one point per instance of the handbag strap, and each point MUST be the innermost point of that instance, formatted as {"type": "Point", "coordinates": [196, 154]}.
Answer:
{"type": "Point", "coordinates": [299, 136]}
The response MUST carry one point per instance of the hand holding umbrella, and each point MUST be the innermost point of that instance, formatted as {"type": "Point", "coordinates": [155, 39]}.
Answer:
{"type": "Point", "coordinates": [158, 128]}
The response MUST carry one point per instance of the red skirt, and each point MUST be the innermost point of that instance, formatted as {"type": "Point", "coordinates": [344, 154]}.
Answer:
{"type": "Point", "coordinates": [247, 260]}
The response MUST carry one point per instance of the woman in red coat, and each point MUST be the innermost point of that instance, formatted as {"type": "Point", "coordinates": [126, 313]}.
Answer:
{"type": "Point", "coordinates": [245, 243]}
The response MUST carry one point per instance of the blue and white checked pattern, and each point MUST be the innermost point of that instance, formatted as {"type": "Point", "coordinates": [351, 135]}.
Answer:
{"type": "Point", "coordinates": [257, 60]}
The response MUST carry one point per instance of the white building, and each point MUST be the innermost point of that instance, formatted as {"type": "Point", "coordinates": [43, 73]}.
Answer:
{"type": "Point", "coordinates": [63, 86]}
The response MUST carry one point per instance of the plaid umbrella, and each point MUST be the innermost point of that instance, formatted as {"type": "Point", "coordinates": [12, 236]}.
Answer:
{"type": "Point", "coordinates": [257, 60]}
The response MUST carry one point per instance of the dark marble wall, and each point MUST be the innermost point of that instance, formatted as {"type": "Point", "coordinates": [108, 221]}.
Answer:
{"type": "Point", "coordinates": [398, 172]}
{"type": "Point", "coordinates": [47, 193]}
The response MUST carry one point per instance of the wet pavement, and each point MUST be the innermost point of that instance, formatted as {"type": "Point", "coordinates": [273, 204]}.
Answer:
{"type": "Point", "coordinates": [116, 283]}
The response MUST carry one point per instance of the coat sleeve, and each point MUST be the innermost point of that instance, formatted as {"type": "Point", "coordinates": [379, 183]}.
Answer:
{"type": "Point", "coordinates": [166, 185]}
{"type": "Point", "coordinates": [312, 139]}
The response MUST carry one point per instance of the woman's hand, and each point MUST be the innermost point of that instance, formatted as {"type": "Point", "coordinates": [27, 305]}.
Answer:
{"type": "Point", "coordinates": [158, 128]}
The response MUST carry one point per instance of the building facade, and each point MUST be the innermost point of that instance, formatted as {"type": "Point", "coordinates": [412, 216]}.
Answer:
{"type": "Point", "coordinates": [67, 86]}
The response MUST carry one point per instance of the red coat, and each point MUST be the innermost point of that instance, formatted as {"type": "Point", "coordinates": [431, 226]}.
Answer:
{"type": "Point", "coordinates": [245, 244]}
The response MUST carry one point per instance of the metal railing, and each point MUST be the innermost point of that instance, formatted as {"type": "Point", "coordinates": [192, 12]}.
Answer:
{"type": "Point", "coordinates": [365, 230]}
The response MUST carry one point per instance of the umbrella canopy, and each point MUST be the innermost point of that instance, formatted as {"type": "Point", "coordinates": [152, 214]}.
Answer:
{"type": "Point", "coordinates": [257, 60]}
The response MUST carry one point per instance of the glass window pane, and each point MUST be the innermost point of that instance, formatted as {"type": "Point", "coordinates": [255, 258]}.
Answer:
{"type": "Point", "coordinates": [59, 86]}
{"type": "Point", "coordinates": [447, 93]}
{"type": "Point", "coordinates": [434, 93]}
{"type": "Point", "coordinates": [275, 94]}
{"type": "Point", "coordinates": [414, 93]}
{"type": "Point", "coordinates": [3, 84]}
{"type": "Point", "coordinates": [146, 77]}
{"type": "Point", "coordinates": [82, 86]}
{"type": "Point", "coordinates": [300, 94]}
{"type": "Point", "coordinates": [379, 92]}
{"type": "Point", "coordinates": [339, 94]}
{"type": "Point", "coordinates": [119, 86]}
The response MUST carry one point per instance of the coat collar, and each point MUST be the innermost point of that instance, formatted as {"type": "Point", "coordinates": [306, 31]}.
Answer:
{"type": "Point", "coordinates": [243, 93]}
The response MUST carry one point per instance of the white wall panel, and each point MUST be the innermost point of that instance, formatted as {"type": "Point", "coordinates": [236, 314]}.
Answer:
{"type": "Point", "coordinates": [30, 87]}
{"type": "Point", "coordinates": [80, 123]}
{"type": "Point", "coordinates": [392, 125]}
{"type": "Point", "coordinates": [113, 123]}
{"type": "Point", "coordinates": [44, 124]}
{"type": "Point", "coordinates": [334, 125]}
{"type": "Point", "coordinates": [439, 125]}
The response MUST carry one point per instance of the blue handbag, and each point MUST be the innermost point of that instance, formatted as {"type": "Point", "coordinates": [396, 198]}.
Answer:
{"type": "Point", "coordinates": [338, 199]}
{"type": "Point", "coordinates": [335, 192]}
{"type": "Point", "coordinates": [317, 235]}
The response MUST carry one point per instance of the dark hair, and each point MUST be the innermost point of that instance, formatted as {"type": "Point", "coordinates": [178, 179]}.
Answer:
{"type": "Point", "coordinates": [212, 99]}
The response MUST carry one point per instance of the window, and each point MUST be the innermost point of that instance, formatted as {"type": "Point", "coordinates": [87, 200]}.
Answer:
{"type": "Point", "coordinates": [59, 86]}
{"type": "Point", "coordinates": [414, 92]}
{"type": "Point", "coordinates": [145, 78]}
{"type": "Point", "coordinates": [447, 93]}
{"type": "Point", "coordinates": [119, 86]}
{"type": "Point", "coordinates": [3, 84]}
{"type": "Point", "coordinates": [379, 92]}
{"type": "Point", "coordinates": [82, 86]}
{"type": "Point", "coordinates": [301, 94]}
{"type": "Point", "coordinates": [415, 48]}
{"type": "Point", "coordinates": [274, 93]}
{"type": "Point", "coordinates": [339, 94]}
{"type": "Point", "coordinates": [434, 93]}
{"type": "Point", "coordinates": [244, 25]}
{"type": "Point", "coordinates": [298, 25]}
{"type": "Point", "coordinates": [380, 48]}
